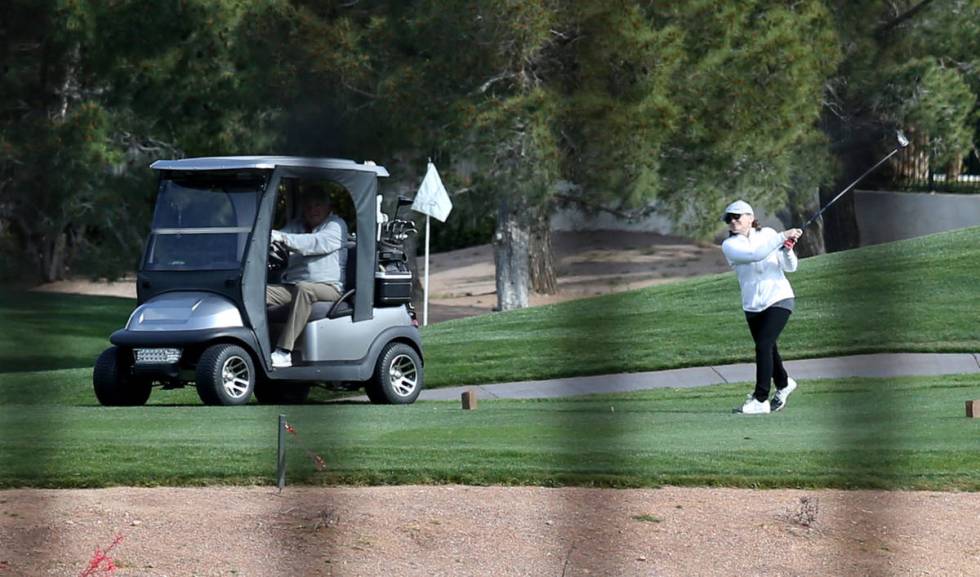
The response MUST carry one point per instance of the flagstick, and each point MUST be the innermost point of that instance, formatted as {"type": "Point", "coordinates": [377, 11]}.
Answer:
{"type": "Point", "coordinates": [425, 301]}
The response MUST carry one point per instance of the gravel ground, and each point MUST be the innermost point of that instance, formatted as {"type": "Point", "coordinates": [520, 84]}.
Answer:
{"type": "Point", "coordinates": [500, 531]}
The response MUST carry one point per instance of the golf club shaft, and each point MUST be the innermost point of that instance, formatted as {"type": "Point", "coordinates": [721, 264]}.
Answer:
{"type": "Point", "coordinates": [849, 187]}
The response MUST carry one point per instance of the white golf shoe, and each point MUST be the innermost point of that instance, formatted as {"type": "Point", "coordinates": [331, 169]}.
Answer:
{"type": "Point", "coordinates": [755, 407]}
{"type": "Point", "coordinates": [779, 399]}
{"type": "Point", "coordinates": [281, 358]}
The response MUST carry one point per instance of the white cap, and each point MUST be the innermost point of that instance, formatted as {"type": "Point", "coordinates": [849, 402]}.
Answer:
{"type": "Point", "coordinates": [738, 207]}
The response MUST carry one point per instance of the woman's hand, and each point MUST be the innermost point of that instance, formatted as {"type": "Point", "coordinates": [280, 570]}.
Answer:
{"type": "Point", "coordinates": [792, 233]}
{"type": "Point", "coordinates": [790, 237]}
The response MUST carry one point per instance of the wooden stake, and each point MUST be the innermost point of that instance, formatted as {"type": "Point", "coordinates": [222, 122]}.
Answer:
{"type": "Point", "coordinates": [973, 409]}
{"type": "Point", "coordinates": [469, 400]}
{"type": "Point", "coordinates": [281, 454]}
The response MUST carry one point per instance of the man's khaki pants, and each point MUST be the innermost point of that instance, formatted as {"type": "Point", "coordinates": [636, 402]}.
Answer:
{"type": "Point", "coordinates": [302, 295]}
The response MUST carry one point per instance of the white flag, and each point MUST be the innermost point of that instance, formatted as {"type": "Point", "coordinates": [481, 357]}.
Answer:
{"type": "Point", "coordinates": [432, 198]}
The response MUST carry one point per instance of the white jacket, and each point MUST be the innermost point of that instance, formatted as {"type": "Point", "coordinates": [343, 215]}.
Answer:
{"type": "Point", "coordinates": [759, 264]}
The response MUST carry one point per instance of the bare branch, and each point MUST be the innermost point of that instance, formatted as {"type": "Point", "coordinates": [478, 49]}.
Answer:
{"type": "Point", "coordinates": [882, 30]}
{"type": "Point", "coordinates": [628, 215]}
{"type": "Point", "coordinates": [357, 90]}
{"type": "Point", "coordinates": [502, 76]}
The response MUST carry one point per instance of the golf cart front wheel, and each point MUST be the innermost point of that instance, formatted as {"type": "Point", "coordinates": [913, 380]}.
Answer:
{"type": "Point", "coordinates": [398, 377]}
{"type": "Point", "coordinates": [225, 375]}
{"type": "Point", "coordinates": [114, 387]}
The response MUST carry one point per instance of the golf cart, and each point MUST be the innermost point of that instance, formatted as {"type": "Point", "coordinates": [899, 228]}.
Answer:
{"type": "Point", "coordinates": [201, 290]}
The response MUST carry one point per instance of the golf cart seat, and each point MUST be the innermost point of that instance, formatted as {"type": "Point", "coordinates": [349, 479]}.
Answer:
{"type": "Point", "coordinates": [326, 309]}
{"type": "Point", "coordinates": [321, 309]}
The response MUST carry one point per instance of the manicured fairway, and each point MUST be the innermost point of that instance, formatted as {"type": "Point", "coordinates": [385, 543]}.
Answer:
{"type": "Point", "coordinates": [919, 295]}
{"type": "Point", "coordinates": [891, 433]}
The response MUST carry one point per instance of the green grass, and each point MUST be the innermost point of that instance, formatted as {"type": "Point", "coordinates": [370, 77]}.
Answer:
{"type": "Point", "coordinates": [916, 295]}
{"type": "Point", "coordinates": [43, 331]}
{"type": "Point", "coordinates": [903, 433]}
{"type": "Point", "coordinates": [919, 295]}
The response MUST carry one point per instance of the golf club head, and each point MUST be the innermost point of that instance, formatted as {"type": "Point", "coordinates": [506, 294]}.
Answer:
{"type": "Point", "coordinates": [902, 140]}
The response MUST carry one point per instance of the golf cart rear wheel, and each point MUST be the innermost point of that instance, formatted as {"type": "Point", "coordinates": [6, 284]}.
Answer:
{"type": "Point", "coordinates": [398, 378]}
{"type": "Point", "coordinates": [225, 375]}
{"type": "Point", "coordinates": [114, 387]}
{"type": "Point", "coordinates": [281, 393]}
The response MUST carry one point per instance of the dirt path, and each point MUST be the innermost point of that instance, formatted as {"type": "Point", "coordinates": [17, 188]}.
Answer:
{"type": "Point", "coordinates": [453, 530]}
{"type": "Point", "coordinates": [461, 282]}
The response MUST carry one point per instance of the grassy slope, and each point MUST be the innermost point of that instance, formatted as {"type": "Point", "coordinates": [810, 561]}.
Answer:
{"type": "Point", "coordinates": [894, 433]}
{"type": "Point", "coordinates": [915, 295]}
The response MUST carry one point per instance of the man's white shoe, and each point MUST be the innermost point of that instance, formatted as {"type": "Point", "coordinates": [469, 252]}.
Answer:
{"type": "Point", "coordinates": [779, 399]}
{"type": "Point", "coordinates": [755, 407]}
{"type": "Point", "coordinates": [281, 358]}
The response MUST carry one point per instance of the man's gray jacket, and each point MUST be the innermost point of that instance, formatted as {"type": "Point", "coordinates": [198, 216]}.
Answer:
{"type": "Point", "coordinates": [319, 256]}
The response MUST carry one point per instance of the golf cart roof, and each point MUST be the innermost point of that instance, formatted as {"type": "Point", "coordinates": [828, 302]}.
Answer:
{"type": "Point", "coordinates": [266, 163]}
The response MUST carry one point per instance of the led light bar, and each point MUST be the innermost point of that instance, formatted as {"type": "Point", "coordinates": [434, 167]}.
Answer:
{"type": "Point", "coordinates": [156, 356]}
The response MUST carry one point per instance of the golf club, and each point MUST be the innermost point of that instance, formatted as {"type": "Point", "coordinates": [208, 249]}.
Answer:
{"type": "Point", "coordinates": [902, 143]}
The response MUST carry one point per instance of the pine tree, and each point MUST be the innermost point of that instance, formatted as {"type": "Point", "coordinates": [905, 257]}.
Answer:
{"type": "Point", "coordinates": [92, 91]}
{"type": "Point", "coordinates": [907, 64]}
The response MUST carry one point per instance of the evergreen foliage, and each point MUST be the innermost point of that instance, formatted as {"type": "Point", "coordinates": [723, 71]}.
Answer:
{"type": "Point", "coordinates": [618, 105]}
{"type": "Point", "coordinates": [92, 92]}
{"type": "Point", "coordinates": [906, 64]}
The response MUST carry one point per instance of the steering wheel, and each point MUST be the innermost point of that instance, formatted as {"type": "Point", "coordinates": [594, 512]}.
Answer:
{"type": "Point", "coordinates": [278, 256]}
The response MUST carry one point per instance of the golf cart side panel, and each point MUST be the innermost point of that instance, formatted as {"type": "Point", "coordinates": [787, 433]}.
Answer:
{"type": "Point", "coordinates": [344, 340]}
{"type": "Point", "coordinates": [358, 370]}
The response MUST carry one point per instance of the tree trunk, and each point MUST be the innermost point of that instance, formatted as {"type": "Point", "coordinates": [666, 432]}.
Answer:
{"type": "Point", "coordinates": [953, 169]}
{"type": "Point", "coordinates": [53, 253]}
{"type": "Point", "coordinates": [69, 89]}
{"type": "Point", "coordinates": [544, 279]}
{"type": "Point", "coordinates": [811, 243]}
{"type": "Point", "coordinates": [840, 230]}
{"type": "Point", "coordinates": [511, 251]}
{"type": "Point", "coordinates": [53, 258]}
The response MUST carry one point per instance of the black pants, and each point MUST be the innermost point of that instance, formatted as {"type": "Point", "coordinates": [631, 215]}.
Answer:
{"type": "Point", "coordinates": [765, 327]}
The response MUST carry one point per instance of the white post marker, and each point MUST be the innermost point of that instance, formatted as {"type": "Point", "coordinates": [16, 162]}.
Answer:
{"type": "Point", "coordinates": [431, 200]}
{"type": "Point", "coordinates": [425, 300]}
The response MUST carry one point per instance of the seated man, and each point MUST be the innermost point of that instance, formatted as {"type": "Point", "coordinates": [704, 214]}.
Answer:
{"type": "Point", "coordinates": [316, 267]}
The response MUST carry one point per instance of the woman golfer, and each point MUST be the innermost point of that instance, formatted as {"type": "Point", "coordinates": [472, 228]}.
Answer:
{"type": "Point", "coordinates": [760, 256]}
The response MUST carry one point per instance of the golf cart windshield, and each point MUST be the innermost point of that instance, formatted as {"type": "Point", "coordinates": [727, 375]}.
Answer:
{"type": "Point", "coordinates": [203, 223]}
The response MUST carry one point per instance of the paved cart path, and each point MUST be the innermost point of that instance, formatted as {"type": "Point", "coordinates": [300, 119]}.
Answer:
{"type": "Point", "coordinates": [874, 365]}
